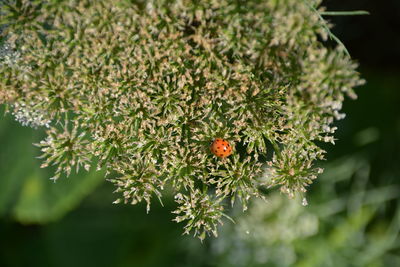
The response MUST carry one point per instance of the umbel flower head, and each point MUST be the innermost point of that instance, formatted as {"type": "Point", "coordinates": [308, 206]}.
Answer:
{"type": "Point", "coordinates": [141, 89]}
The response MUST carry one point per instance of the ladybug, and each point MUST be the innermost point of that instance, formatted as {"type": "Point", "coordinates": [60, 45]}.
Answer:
{"type": "Point", "coordinates": [221, 148]}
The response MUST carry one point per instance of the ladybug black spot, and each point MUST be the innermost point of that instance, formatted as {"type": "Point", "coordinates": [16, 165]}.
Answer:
{"type": "Point", "coordinates": [220, 155]}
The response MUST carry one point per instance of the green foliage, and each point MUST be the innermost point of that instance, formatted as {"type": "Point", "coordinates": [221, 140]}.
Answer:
{"type": "Point", "coordinates": [343, 228]}
{"type": "Point", "coordinates": [142, 89]}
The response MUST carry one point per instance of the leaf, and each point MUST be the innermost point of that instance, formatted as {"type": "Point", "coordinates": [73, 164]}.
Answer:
{"type": "Point", "coordinates": [42, 200]}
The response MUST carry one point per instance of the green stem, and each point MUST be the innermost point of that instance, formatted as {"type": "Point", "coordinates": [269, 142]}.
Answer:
{"type": "Point", "coordinates": [344, 13]}
{"type": "Point", "coordinates": [276, 148]}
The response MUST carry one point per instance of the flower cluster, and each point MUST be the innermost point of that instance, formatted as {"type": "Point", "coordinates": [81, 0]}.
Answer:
{"type": "Point", "coordinates": [65, 148]}
{"type": "Point", "coordinates": [202, 213]}
{"type": "Point", "coordinates": [147, 87]}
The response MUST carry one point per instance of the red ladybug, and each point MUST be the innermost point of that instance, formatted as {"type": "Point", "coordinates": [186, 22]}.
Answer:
{"type": "Point", "coordinates": [221, 148]}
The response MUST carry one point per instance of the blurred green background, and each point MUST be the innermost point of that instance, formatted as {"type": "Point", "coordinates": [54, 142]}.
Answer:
{"type": "Point", "coordinates": [353, 216]}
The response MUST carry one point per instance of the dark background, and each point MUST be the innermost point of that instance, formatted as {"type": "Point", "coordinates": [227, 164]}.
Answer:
{"type": "Point", "coordinates": [98, 233]}
{"type": "Point", "coordinates": [373, 40]}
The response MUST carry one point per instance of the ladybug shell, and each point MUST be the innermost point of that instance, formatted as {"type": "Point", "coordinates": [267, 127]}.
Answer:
{"type": "Point", "coordinates": [221, 148]}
